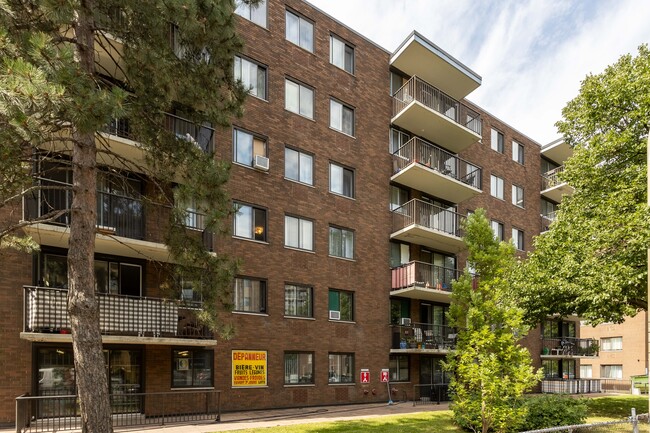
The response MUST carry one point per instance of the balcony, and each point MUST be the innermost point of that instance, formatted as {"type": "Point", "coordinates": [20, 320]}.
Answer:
{"type": "Point", "coordinates": [426, 224]}
{"type": "Point", "coordinates": [569, 347]}
{"type": "Point", "coordinates": [418, 280]}
{"type": "Point", "coordinates": [122, 319]}
{"type": "Point", "coordinates": [423, 109]}
{"type": "Point", "coordinates": [419, 56]}
{"type": "Point", "coordinates": [426, 338]}
{"type": "Point", "coordinates": [558, 151]}
{"type": "Point", "coordinates": [546, 221]}
{"type": "Point", "coordinates": [553, 187]}
{"type": "Point", "coordinates": [431, 169]}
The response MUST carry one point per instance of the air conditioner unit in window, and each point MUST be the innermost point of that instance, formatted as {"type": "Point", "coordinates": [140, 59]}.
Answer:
{"type": "Point", "coordinates": [261, 163]}
{"type": "Point", "coordinates": [405, 321]}
{"type": "Point", "coordinates": [335, 315]}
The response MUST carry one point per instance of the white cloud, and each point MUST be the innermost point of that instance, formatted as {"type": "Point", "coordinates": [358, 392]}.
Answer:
{"type": "Point", "coordinates": [531, 54]}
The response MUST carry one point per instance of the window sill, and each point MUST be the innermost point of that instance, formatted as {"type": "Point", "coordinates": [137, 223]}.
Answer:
{"type": "Point", "coordinates": [341, 384]}
{"type": "Point", "coordinates": [345, 70]}
{"type": "Point", "coordinates": [299, 318]}
{"type": "Point", "coordinates": [344, 133]}
{"type": "Point", "coordinates": [349, 322]}
{"type": "Point", "coordinates": [250, 313]}
{"type": "Point", "coordinates": [298, 114]}
{"type": "Point", "coordinates": [299, 182]}
{"type": "Point", "coordinates": [341, 258]}
{"type": "Point", "coordinates": [299, 249]}
{"type": "Point", "coordinates": [293, 44]}
{"type": "Point", "coordinates": [250, 167]}
{"type": "Point", "coordinates": [299, 385]}
{"type": "Point", "coordinates": [342, 195]}
{"type": "Point", "coordinates": [250, 240]}
{"type": "Point", "coordinates": [197, 388]}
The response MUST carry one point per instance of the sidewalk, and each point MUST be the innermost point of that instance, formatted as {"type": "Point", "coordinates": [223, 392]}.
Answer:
{"type": "Point", "coordinates": [277, 417]}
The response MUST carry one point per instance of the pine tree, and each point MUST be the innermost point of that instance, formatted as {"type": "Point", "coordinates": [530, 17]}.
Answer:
{"type": "Point", "coordinates": [490, 371]}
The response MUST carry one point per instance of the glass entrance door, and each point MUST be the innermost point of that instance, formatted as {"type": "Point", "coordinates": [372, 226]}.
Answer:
{"type": "Point", "coordinates": [125, 377]}
{"type": "Point", "coordinates": [432, 374]}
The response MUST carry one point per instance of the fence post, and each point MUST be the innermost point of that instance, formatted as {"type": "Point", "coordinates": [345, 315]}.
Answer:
{"type": "Point", "coordinates": [635, 421]}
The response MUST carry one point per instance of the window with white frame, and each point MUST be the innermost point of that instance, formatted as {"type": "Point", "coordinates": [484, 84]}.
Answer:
{"type": "Point", "coordinates": [398, 197]}
{"type": "Point", "coordinates": [517, 196]}
{"type": "Point", "coordinates": [298, 233]}
{"type": "Point", "coordinates": [397, 139]}
{"type": "Point", "coordinates": [341, 180]}
{"type": "Point", "coordinates": [518, 239]}
{"type": "Point", "coordinates": [300, 31]}
{"type": "Point", "coordinates": [341, 243]}
{"type": "Point", "coordinates": [341, 117]}
{"type": "Point", "coordinates": [298, 368]}
{"type": "Point", "coordinates": [250, 222]}
{"type": "Point", "coordinates": [496, 141]}
{"type": "Point", "coordinates": [611, 371]}
{"type": "Point", "coordinates": [247, 146]}
{"type": "Point", "coordinates": [249, 295]}
{"type": "Point", "coordinates": [298, 98]}
{"type": "Point", "coordinates": [256, 14]}
{"type": "Point", "coordinates": [496, 186]}
{"type": "Point", "coordinates": [341, 368]}
{"type": "Point", "coordinates": [611, 344]}
{"type": "Point", "coordinates": [517, 152]}
{"type": "Point", "coordinates": [298, 301]}
{"type": "Point", "coordinates": [298, 166]}
{"type": "Point", "coordinates": [497, 229]}
{"type": "Point", "coordinates": [341, 54]}
{"type": "Point", "coordinates": [586, 371]}
{"type": "Point", "coordinates": [252, 76]}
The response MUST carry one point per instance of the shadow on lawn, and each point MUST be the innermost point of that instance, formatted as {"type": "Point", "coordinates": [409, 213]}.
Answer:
{"type": "Point", "coordinates": [616, 406]}
{"type": "Point", "coordinates": [422, 423]}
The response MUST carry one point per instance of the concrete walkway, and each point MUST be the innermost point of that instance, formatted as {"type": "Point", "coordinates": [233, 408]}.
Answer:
{"type": "Point", "coordinates": [278, 417]}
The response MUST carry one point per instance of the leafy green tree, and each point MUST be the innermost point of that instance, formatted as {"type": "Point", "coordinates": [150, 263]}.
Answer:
{"type": "Point", "coordinates": [593, 260]}
{"type": "Point", "coordinates": [66, 70]}
{"type": "Point", "coordinates": [490, 371]}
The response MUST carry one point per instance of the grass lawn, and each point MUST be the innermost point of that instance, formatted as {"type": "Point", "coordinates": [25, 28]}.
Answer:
{"type": "Point", "coordinates": [607, 408]}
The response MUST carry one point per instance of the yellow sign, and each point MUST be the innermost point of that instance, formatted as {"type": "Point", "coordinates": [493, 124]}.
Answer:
{"type": "Point", "coordinates": [248, 368]}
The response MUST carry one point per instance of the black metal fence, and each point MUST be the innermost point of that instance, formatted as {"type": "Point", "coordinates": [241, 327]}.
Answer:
{"type": "Point", "coordinates": [424, 336]}
{"type": "Point", "coordinates": [57, 413]}
{"type": "Point", "coordinates": [430, 393]}
{"type": "Point", "coordinates": [569, 346]}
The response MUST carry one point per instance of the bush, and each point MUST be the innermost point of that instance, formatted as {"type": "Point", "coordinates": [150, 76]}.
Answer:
{"type": "Point", "coordinates": [553, 411]}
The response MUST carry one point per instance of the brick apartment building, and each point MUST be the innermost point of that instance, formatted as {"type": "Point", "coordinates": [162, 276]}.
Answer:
{"type": "Point", "coordinates": [353, 168]}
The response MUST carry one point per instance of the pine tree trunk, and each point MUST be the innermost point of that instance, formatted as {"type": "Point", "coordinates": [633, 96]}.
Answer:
{"type": "Point", "coordinates": [90, 368]}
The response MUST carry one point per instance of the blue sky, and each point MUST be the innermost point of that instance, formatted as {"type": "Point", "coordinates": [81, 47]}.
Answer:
{"type": "Point", "coordinates": [532, 54]}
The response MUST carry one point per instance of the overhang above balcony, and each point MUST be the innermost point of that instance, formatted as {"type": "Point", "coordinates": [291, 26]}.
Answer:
{"type": "Point", "coordinates": [556, 192]}
{"type": "Point", "coordinates": [429, 237]}
{"type": "Point", "coordinates": [557, 151]}
{"type": "Point", "coordinates": [38, 337]}
{"type": "Point", "coordinates": [423, 293]}
{"type": "Point", "coordinates": [435, 183]}
{"type": "Point", "coordinates": [419, 56]}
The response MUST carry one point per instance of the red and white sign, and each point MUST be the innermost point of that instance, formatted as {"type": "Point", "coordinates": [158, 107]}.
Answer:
{"type": "Point", "coordinates": [384, 375]}
{"type": "Point", "coordinates": [364, 376]}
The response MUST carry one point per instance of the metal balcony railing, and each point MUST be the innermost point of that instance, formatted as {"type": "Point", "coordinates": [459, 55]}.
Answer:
{"type": "Point", "coordinates": [46, 312]}
{"type": "Point", "coordinates": [428, 215]}
{"type": "Point", "coordinates": [416, 89]}
{"type": "Point", "coordinates": [424, 336]}
{"type": "Point", "coordinates": [423, 275]}
{"type": "Point", "coordinates": [569, 346]}
{"type": "Point", "coordinates": [551, 178]}
{"type": "Point", "coordinates": [201, 135]}
{"type": "Point", "coordinates": [427, 154]}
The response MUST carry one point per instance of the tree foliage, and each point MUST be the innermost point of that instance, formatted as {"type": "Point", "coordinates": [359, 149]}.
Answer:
{"type": "Point", "coordinates": [593, 261]}
{"type": "Point", "coordinates": [490, 371]}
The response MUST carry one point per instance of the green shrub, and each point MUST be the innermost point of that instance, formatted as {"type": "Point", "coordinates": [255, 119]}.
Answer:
{"type": "Point", "coordinates": [553, 411]}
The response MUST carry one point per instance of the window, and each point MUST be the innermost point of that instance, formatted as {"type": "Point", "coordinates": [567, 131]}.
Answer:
{"type": "Point", "coordinates": [496, 142]}
{"type": "Point", "coordinates": [341, 180]}
{"type": "Point", "coordinates": [298, 99]}
{"type": "Point", "coordinates": [256, 14]}
{"type": "Point", "coordinates": [298, 233]}
{"type": "Point", "coordinates": [298, 301]}
{"type": "Point", "coordinates": [397, 139]}
{"type": "Point", "coordinates": [396, 82]}
{"type": "Point", "coordinates": [497, 229]}
{"type": "Point", "coordinates": [190, 290]}
{"type": "Point", "coordinates": [250, 222]}
{"type": "Point", "coordinates": [343, 302]}
{"type": "Point", "coordinates": [398, 197]}
{"type": "Point", "coordinates": [341, 368]}
{"type": "Point", "coordinates": [300, 31]}
{"type": "Point", "coordinates": [551, 368]}
{"type": "Point", "coordinates": [341, 117]}
{"type": "Point", "coordinates": [549, 209]}
{"type": "Point", "coordinates": [298, 166]}
{"type": "Point", "coordinates": [496, 186]}
{"type": "Point", "coordinates": [611, 371]}
{"type": "Point", "coordinates": [399, 368]}
{"type": "Point", "coordinates": [192, 368]}
{"type": "Point", "coordinates": [341, 243]}
{"type": "Point", "coordinates": [586, 371]}
{"type": "Point", "coordinates": [298, 368]}
{"type": "Point", "coordinates": [517, 196]}
{"type": "Point", "coordinates": [246, 146]}
{"type": "Point", "coordinates": [611, 344]}
{"type": "Point", "coordinates": [249, 295]}
{"type": "Point", "coordinates": [517, 152]}
{"type": "Point", "coordinates": [252, 76]}
{"type": "Point", "coordinates": [341, 54]}
{"type": "Point", "coordinates": [518, 239]}
{"type": "Point", "coordinates": [399, 254]}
